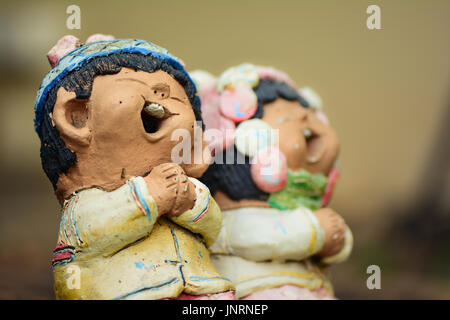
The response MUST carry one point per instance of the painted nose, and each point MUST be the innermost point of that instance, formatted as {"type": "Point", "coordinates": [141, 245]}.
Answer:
{"type": "Point", "coordinates": [304, 116]}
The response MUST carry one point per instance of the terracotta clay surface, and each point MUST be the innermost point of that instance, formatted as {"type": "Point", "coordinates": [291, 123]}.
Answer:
{"type": "Point", "coordinates": [171, 189]}
{"type": "Point", "coordinates": [335, 228]}
{"type": "Point", "coordinates": [111, 143]}
{"type": "Point", "coordinates": [316, 153]}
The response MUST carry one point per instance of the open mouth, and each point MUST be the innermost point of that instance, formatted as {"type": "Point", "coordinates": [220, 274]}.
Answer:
{"type": "Point", "coordinates": [315, 147]}
{"type": "Point", "coordinates": [153, 115]}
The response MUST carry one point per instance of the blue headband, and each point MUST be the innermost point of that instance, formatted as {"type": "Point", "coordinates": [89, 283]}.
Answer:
{"type": "Point", "coordinates": [78, 57]}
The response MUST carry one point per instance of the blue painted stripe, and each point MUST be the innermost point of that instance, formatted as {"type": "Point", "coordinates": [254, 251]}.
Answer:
{"type": "Point", "coordinates": [175, 239]}
{"type": "Point", "coordinates": [72, 251]}
{"type": "Point", "coordinates": [77, 232]}
{"type": "Point", "coordinates": [137, 191]}
{"type": "Point", "coordinates": [61, 225]}
{"type": "Point", "coordinates": [63, 221]}
{"type": "Point", "coordinates": [142, 200]}
{"type": "Point", "coordinates": [283, 229]}
{"type": "Point", "coordinates": [202, 211]}
{"type": "Point", "coordinates": [181, 274]}
{"type": "Point", "coordinates": [196, 278]}
{"type": "Point", "coordinates": [74, 221]}
{"type": "Point", "coordinates": [140, 290]}
{"type": "Point", "coordinates": [237, 112]}
{"type": "Point", "coordinates": [62, 263]}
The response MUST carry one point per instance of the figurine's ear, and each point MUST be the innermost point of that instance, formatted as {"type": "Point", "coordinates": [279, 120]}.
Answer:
{"type": "Point", "coordinates": [70, 116]}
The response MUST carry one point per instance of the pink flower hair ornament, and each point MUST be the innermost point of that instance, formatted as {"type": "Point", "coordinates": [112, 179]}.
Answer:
{"type": "Point", "coordinates": [69, 43]}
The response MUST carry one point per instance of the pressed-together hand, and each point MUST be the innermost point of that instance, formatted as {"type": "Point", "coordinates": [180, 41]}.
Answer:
{"type": "Point", "coordinates": [171, 189]}
{"type": "Point", "coordinates": [334, 227]}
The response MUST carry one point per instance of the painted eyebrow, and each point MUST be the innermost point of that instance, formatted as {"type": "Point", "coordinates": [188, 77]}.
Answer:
{"type": "Point", "coordinates": [157, 86]}
{"type": "Point", "coordinates": [131, 79]}
{"type": "Point", "coordinates": [152, 88]}
{"type": "Point", "coordinates": [161, 86]}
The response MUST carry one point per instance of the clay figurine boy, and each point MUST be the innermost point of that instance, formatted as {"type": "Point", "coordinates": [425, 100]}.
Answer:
{"type": "Point", "coordinates": [276, 236]}
{"type": "Point", "coordinates": [134, 224]}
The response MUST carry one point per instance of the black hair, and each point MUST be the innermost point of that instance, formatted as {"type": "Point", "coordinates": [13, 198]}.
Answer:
{"type": "Point", "coordinates": [55, 156]}
{"type": "Point", "coordinates": [235, 179]}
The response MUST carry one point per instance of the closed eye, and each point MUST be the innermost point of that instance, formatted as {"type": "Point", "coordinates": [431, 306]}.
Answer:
{"type": "Point", "coordinates": [178, 99]}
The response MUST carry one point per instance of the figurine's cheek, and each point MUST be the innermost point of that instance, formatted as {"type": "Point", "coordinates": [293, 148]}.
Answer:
{"type": "Point", "coordinates": [108, 120]}
{"type": "Point", "coordinates": [333, 146]}
{"type": "Point", "coordinates": [291, 140]}
{"type": "Point", "coordinates": [115, 107]}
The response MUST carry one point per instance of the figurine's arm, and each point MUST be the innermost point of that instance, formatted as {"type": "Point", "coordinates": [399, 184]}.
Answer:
{"type": "Point", "coordinates": [205, 218]}
{"type": "Point", "coordinates": [264, 234]}
{"type": "Point", "coordinates": [338, 237]}
{"type": "Point", "coordinates": [345, 251]}
{"type": "Point", "coordinates": [98, 222]}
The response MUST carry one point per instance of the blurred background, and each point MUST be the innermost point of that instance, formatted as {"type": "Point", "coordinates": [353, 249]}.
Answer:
{"type": "Point", "coordinates": [385, 91]}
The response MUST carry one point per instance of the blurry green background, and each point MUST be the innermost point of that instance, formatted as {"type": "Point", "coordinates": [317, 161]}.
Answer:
{"type": "Point", "coordinates": [385, 91]}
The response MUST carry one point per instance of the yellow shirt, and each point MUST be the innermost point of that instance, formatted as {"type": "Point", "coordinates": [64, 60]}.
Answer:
{"type": "Point", "coordinates": [111, 245]}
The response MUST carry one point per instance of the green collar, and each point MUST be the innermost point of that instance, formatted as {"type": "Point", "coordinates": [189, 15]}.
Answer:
{"type": "Point", "coordinates": [302, 189]}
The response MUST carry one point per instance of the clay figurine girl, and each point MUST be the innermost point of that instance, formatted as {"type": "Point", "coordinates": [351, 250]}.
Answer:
{"type": "Point", "coordinates": [134, 225]}
{"type": "Point", "coordinates": [273, 174]}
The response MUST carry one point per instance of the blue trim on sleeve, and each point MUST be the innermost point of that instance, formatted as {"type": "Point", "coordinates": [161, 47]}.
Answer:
{"type": "Point", "coordinates": [202, 211]}
{"type": "Point", "coordinates": [143, 201]}
{"type": "Point", "coordinates": [150, 288]}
